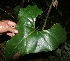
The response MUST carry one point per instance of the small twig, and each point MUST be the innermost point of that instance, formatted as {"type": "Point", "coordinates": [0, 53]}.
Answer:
{"type": "Point", "coordinates": [55, 4]}
{"type": "Point", "coordinates": [7, 13]}
{"type": "Point", "coordinates": [47, 16]}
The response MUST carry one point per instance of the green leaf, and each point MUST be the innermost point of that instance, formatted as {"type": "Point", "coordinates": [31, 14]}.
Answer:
{"type": "Point", "coordinates": [30, 41]}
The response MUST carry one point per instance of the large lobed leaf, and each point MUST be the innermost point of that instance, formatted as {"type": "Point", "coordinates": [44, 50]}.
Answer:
{"type": "Point", "coordinates": [30, 41]}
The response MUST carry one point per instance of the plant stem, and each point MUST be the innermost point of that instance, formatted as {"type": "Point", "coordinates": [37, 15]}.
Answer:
{"type": "Point", "coordinates": [47, 15]}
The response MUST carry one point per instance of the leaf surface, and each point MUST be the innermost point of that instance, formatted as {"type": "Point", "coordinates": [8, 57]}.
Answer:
{"type": "Point", "coordinates": [30, 41]}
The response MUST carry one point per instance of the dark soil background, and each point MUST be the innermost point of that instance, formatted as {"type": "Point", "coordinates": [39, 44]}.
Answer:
{"type": "Point", "coordinates": [60, 15]}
